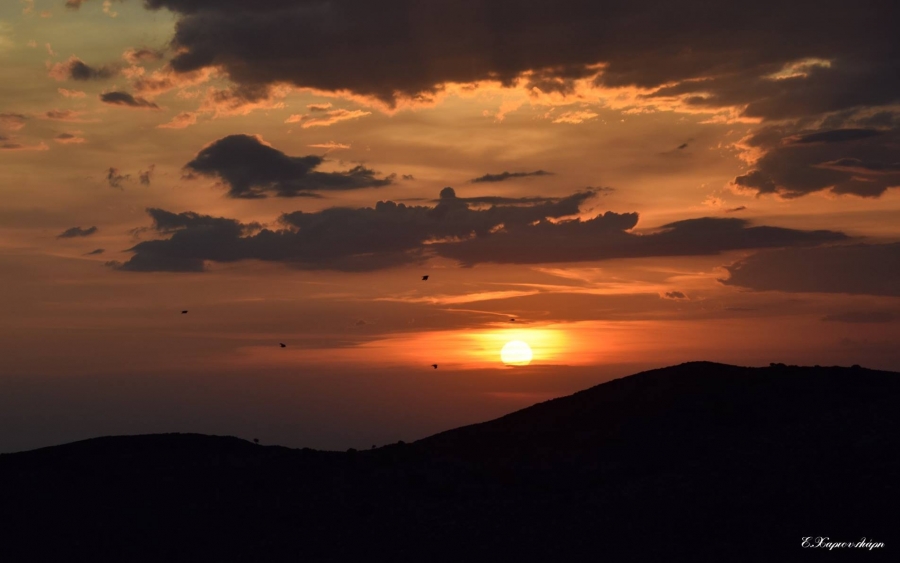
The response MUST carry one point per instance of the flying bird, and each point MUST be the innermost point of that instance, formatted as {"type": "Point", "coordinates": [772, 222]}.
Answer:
{"type": "Point", "coordinates": [434, 366]}
{"type": "Point", "coordinates": [424, 278]}
{"type": "Point", "coordinates": [184, 312]}
{"type": "Point", "coordinates": [512, 320]}
{"type": "Point", "coordinates": [283, 345]}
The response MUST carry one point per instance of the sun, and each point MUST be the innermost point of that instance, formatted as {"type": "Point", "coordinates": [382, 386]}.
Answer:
{"type": "Point", "coordinates": [516, 353]}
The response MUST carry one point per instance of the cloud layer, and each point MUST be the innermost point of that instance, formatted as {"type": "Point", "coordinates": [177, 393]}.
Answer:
{"type": "Point", "coordinates": [503, 176]}
{"type": "Point", "coordinates": [871, 269]}
{"type": "Point", "coordinates": [392, 234]}
{"type": "Point", "coordinates": [708, 54]}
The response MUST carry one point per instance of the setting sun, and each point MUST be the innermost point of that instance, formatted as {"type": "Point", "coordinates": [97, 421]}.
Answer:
{"type": "Point", "coordinates": [516, 353]}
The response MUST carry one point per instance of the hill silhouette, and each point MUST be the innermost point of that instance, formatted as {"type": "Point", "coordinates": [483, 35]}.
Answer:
{"type": "Point", "coordinates": [696, 462]}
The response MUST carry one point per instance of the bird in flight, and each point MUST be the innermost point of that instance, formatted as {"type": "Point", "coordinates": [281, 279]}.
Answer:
{"type": "Point", "coordinates": [424, 278]}
{"type": "Point", "coordinates": [512, 320]}
{"type": "Point", "coordinates": [184, 312]}
{"type": "Point", "coordinates": [283, 345]}
{"type": "Point", "coordinates": [434, 366]}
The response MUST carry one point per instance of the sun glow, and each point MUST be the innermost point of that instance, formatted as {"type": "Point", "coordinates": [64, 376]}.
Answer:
{"type": "Point", "coordinates": [516, 353]}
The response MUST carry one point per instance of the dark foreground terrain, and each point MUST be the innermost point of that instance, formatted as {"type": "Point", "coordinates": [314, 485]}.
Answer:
{"type": "Point", "coordinates": [697, 462]}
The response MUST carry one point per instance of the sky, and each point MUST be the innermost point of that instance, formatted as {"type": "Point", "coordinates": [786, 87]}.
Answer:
{"type": "Point", "coordinates": [637, 184]}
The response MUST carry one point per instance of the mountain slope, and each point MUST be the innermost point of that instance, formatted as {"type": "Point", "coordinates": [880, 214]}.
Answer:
{"type": "Point", "coordinates": [697, 462]}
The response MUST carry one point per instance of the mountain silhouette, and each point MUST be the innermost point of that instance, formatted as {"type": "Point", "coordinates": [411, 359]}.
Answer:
{"type": "Point", "coordinates": [696, 462]}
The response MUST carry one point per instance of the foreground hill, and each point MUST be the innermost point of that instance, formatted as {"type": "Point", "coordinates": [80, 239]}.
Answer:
{"type": "Point", "coordinates": [697, 462]}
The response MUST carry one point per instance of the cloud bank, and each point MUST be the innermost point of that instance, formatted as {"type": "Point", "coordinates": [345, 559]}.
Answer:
{"type": "Point", "coordinates": [392, 234]}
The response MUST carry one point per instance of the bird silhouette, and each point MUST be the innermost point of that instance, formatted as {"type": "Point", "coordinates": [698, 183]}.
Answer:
{"type": "Point", "coordinates": [434, 366]}
{"type": "Point", "coordinates": [184, 312]}
{"type": "Point", "coordinates": [512, 320]}
{"type": "Point", "coordinates": [283, 345]}
{"type": "Point", "coordinates": [424, 278]}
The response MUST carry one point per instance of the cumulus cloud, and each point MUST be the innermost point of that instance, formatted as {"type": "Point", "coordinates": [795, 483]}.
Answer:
{"type": "Point", "coordinates": [675, 295]}
{"type": "Point", "coordinates": [126, 99]}
{"type": "Point", "coordinates": [392, 234]}
{"type": "Point", "coordinates": [252, 169]}
{"type": "Point", "coordinates": [503, 176]}
{"type": "Point", "coordinates": [871, 269]}
{"type": "Point", "coordinates": [77, 232]}
{"type": "Point", "coordinates": [76, 69]}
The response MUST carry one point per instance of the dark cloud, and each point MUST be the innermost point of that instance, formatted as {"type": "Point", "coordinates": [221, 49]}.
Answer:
{"type": "Point", "coordinates": [772, 59]}
{"type": "Point", "coordinates": [76, 69]}
{"type": "Point", "coordinates": [608, 236]}
{"type": "Point", "coordinates": [449, 194]}
{"type": "Point", "coordinates": [682, 146]}
{"type": "Point", "coordinates": [736, 209]}
{"type": "Point", "coordinates": [115, 178]}
{"type": "Point", "coordinates": [77, 232]}
{"type": "Point", "coordinates": [95, 252]}
{"type": "Point", "coordinates": [126, 99]}
{"type": "Point", "coordinates": [862, 162]}
{"type": "Point", "coordinates": [855, 317]}
{"type": "Point", "coordinates": [835, 136]}
{"type": "Point", "coordinates": [855, 165]}
{"type": "Point", "coordinates": [68, 138]}
{"type": "Point", "coordinates": [850, 76]}
{"type": "Point", "coordinates": [253, 169]}
{"type": "Point", "coordinates": [392, 234]}
{"type": "Point", "coordinates": [507, 175]}
{"type": "Point", "coordinates": [675, 295]}
{"type": "Point", "coordinates": [871, 269]}
{"type": "Point", "coordinates": [146, 175]}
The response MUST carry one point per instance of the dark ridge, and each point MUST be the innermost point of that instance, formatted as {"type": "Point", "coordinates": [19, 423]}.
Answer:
{"type": "Point", "coordinates": [696, 462]}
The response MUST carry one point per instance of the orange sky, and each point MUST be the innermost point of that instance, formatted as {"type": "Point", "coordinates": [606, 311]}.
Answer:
{"type": "Point", "coordinates": [86, 331]}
